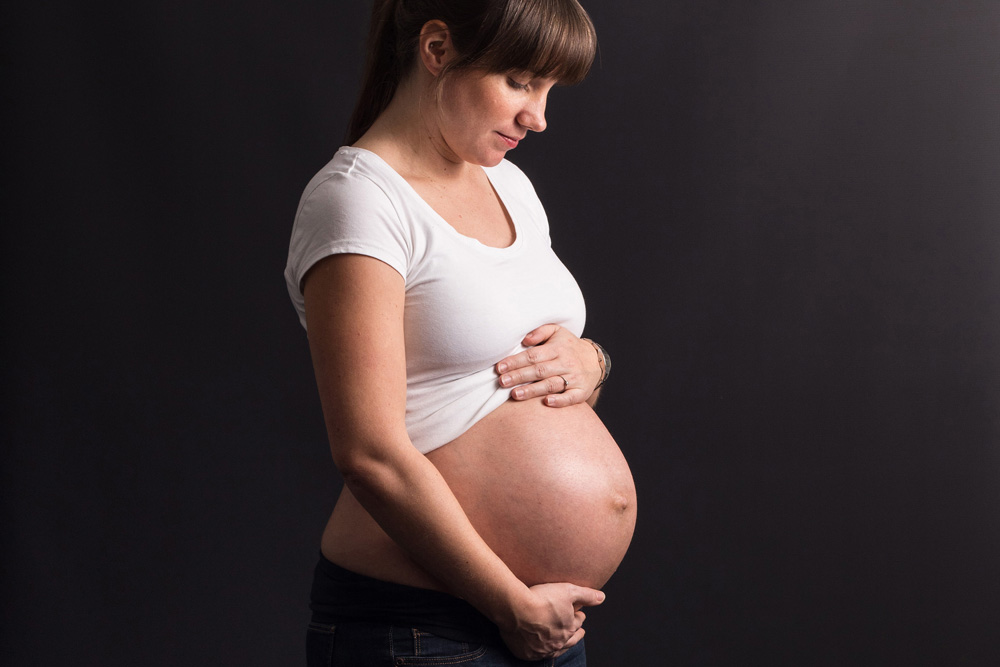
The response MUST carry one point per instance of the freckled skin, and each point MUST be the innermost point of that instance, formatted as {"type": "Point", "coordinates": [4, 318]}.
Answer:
{"type": "Point", "coordinates": [547, 488]}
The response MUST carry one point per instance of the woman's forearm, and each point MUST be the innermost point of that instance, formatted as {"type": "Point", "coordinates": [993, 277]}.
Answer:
{"type": "Point", "coordinates": [412, 502]}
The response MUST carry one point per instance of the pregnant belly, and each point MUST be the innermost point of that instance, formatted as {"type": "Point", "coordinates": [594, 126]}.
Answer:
{"type": "Point", "coordinates": [547, 488]}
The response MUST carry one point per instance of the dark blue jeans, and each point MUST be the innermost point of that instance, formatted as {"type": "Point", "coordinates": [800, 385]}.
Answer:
{"type": "Point", "coordinates": [358, 621]}
{"type": "Point", "coordinates": [380, 645]}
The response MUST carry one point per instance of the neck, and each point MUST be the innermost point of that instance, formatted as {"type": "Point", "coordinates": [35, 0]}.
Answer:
{"type": "Point", "coordinates": [406, 134]}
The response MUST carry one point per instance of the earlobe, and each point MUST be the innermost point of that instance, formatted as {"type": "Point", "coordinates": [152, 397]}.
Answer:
{"type": "Point", "coordinates": [436, 50]}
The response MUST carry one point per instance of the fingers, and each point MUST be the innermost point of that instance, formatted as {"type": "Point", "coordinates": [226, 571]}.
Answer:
{"type": "Point", "coordinates": [587, 597]}
{"type": "Point", "coordinates": [552, 384]}
{"type": "Point", "coordinates": [539, 370]}
{"type": "Point", "coordinates": [543, 366]}
{"type": "Point", "coordinates": [573, 641]}
{"type": "Point", "coordinates": [535, 352]}
{"type": "Point", "coordinates": [553, 390]}
{"type": "Point", "coordinates": [554, 623]}
{"type": "Point", "coordinates": [540, 335]}
{"type": "Point", "coordinates": [555, 367]}
{"type": "Point", "coordinates": [525, 361]}
{"type": "Point", "coordinates": [565, 398]}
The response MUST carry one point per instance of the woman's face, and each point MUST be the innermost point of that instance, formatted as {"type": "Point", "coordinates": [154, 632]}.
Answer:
{"type": "Point", "coordinates": [480, 116]}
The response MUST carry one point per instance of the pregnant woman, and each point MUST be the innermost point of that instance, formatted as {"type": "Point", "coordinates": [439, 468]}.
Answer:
{"type": "Point", "coordinates": [485, 504]}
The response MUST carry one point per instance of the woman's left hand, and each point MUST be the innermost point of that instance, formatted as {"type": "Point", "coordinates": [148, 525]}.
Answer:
{"type": "Point", "coordinates": [557, 365]}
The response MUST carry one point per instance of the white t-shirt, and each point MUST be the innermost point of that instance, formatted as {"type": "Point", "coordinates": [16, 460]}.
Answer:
{"type": "Point", "coordinates": [467, 305]}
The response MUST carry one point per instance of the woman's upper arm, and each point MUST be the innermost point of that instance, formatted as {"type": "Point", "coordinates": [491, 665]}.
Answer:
{"type": "Point", "coordinates": [354, 317]}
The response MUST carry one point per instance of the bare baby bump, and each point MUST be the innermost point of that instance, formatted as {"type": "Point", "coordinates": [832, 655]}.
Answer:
{"type": "Point", "coordinates": [547, 488]}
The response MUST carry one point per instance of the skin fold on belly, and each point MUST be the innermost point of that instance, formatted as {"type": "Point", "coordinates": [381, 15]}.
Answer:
{"type": "Point", "coordinates": [547, 488]}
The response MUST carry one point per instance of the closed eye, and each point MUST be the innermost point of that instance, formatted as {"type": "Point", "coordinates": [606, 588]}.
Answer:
{"type": "Point", "coordinates": [515, 84]}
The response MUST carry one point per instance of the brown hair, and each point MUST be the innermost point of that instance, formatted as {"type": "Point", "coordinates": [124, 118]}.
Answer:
{"type": "Point", "coordinates": [549, 38]}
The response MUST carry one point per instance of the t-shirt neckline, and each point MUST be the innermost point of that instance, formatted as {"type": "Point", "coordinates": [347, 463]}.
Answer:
{"type": "Point", "coordinates": [382, 165]}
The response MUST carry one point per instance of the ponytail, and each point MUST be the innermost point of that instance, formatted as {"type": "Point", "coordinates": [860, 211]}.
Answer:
{"type": "Point", "coordinates": [383, 69]}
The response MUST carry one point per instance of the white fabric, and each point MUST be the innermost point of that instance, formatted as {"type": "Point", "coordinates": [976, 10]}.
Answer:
{"type": "Point", "coordinates": [467, 305]}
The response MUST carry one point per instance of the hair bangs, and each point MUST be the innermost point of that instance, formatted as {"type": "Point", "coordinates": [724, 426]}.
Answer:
{"type": "Point", "coordinates": [548, 38]}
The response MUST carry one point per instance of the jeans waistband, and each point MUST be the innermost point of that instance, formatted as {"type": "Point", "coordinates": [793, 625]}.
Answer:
{"type": "Point", "coordinates": [342, 596]}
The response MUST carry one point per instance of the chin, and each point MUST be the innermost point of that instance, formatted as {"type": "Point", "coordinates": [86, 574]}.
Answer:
{"type": "Point", "coordinates": [492, 162]}
{"type": "Point", "coordinates": [488, 158]}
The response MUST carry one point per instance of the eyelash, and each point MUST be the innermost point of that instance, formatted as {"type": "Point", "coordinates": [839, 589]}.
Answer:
{"type": "Point", "coordinates": [516, 85]}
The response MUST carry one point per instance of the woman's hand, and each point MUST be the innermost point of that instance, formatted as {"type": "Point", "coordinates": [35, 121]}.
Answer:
{"type": "Point", "coordinates": [557, 365]}
{"type": "Point", "coordinates": [550, 622]}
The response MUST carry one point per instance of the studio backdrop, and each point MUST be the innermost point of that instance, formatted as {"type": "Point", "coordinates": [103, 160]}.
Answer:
{"type": "Point", "coordinates": [785, 217]}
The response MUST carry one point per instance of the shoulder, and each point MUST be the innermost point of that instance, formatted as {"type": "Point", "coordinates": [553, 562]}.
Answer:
{"type": "Point", "coordinates": [352, 180]}
{"type": "Point", "coordinates": [350, 207]}
{"type": "Point", "coordinates": [355, 196]}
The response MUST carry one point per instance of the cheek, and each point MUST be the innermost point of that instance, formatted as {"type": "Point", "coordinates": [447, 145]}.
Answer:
{"type": "Point", "coordinates": [459, 112]}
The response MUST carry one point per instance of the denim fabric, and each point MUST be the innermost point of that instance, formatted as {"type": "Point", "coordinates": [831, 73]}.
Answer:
{"type": "Point", "coordinates": [381, 645]}
{"type": "Point", "coordinates": [342, 596]}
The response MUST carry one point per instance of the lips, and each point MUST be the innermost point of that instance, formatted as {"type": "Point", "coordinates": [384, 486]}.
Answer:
{"type": "Point", "coordinates": [511, 141]}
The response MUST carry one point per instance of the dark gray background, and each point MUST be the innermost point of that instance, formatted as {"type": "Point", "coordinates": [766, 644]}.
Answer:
{"type": "Point", "coordinates": [784, 216]}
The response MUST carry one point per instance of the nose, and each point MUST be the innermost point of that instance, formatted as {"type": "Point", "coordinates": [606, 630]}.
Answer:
{"type": "Point", "coordinates": [532, 116]}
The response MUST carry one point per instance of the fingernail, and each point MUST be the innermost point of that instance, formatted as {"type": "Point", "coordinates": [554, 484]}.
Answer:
{"type": "Point", "coordinates": [518, 393]}
{"type": "Point", "coordinates": [501, 368]}
{"type": "Point", "coordinates": [505, 380]}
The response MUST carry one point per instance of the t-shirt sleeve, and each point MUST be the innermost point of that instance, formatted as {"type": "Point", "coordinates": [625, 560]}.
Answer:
{"type": "Point", "coordinates": [345, 213]}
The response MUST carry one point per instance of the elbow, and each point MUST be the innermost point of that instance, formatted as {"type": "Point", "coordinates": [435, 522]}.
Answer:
{"type": "Point", "coordinates": [369, 470]}
{"type": "Point", "coordinates": [360, 476]}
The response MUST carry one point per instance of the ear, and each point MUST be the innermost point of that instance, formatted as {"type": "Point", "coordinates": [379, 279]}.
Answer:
{"type": "Point", "coordinates": [435, 47]}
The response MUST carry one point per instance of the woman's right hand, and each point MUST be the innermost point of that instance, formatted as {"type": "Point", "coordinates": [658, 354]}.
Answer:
{"type": "Point", "coordinates": [550, 622]}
